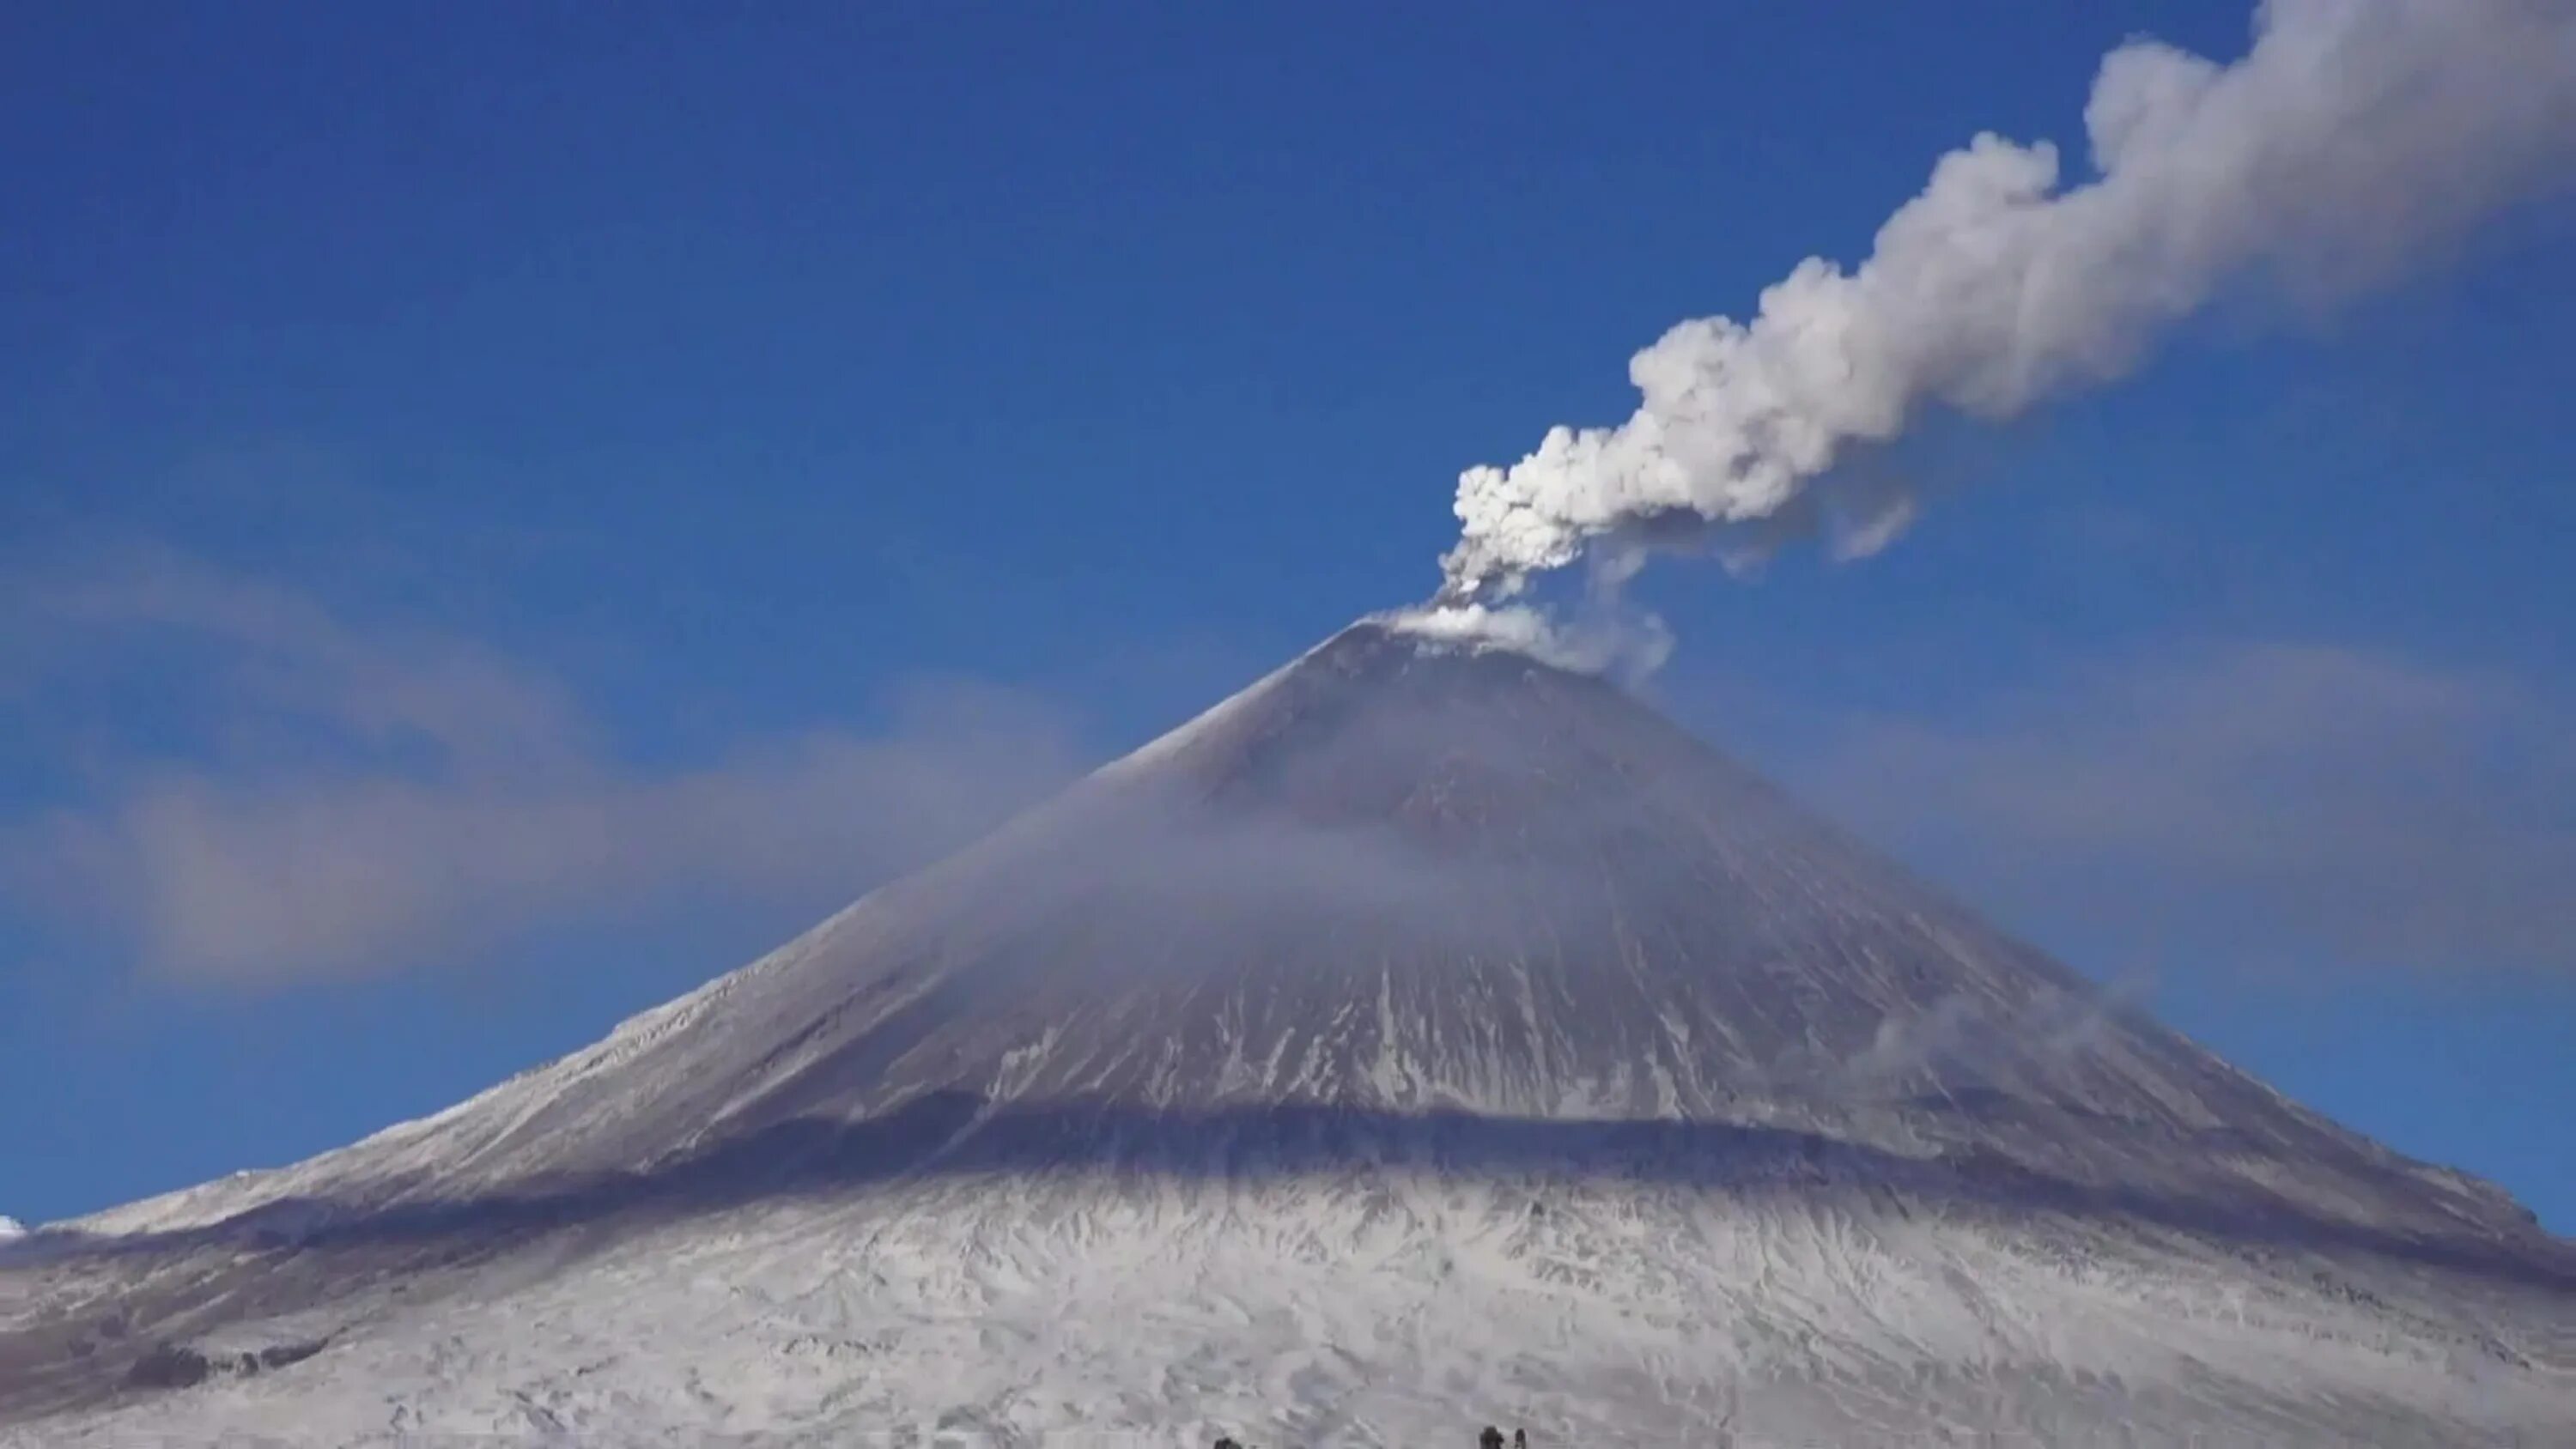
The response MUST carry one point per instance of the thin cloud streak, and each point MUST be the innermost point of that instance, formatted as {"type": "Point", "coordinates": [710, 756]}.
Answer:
{"type": "Point", "coordinates": [2315, 800]}
{"type": "Point", "coordinates": [352, 799]}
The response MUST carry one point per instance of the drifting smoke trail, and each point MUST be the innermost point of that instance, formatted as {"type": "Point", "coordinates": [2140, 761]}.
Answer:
{"type": "Point", "coordinates": [2354, 135]}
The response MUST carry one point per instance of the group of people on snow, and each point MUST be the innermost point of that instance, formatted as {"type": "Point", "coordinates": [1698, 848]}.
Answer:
{"type": "Point", "coordinates": [1492, 1438]}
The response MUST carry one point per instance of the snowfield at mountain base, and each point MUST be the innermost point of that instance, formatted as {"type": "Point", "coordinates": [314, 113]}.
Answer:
{"type": "Point", "coordinates": [1380, 1310]}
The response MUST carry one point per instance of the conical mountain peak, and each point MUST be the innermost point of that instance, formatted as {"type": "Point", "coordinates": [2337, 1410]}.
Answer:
{"type": "Point", "coordinates": [1399, 876]}
{"type": "Point", "coordinates": [1378, 725]}
{"type": "Point", "coordinates": [1339, 985]}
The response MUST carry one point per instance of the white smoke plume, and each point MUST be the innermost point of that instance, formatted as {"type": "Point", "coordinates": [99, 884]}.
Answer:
{"type": "Point", "coordinates": [1634, 645]}
{"type": "Point", "coordinates": [2353, 136]}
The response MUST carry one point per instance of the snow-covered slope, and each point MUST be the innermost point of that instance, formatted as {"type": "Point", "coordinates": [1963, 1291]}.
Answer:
{"type": "Point", "coordinates": [1422, 1035]}
{"type": "Point", "coordinates": [1365, 1305]}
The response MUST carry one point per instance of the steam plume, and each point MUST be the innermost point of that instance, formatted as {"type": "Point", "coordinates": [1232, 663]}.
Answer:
{"type": "Point", "coordinates": [2354, 135]}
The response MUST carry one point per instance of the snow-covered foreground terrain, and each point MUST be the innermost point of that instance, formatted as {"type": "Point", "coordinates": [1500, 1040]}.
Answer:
{"type": "Point", "coordinates": [1417, 1040]}
{"type": "Point", "coordinates": [1393, 1308]}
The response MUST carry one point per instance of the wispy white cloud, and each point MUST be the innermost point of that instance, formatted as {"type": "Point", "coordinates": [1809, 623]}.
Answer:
{"type": "Point", "coordinates": [332, 796]}
{"type": "Point", "coordinates": [280, 659]}
{"type": "Point", "coordinates": [2340, 803]}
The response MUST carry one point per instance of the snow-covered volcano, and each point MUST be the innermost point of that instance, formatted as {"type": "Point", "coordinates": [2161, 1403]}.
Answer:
{"type": "Point", "coordinates": [1423, 1036]}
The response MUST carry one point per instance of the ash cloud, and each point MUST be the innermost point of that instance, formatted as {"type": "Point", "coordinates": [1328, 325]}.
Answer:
{"type": "Point", "coordinates": [2352, 139]}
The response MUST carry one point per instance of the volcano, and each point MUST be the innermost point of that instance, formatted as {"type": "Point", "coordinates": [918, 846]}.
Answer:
{"type": "Point", "coordinates": [1422, 1037]}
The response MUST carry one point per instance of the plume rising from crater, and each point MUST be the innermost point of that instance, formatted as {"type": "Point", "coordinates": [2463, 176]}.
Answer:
{"type": "Point", "coordinates": [2354, 138]}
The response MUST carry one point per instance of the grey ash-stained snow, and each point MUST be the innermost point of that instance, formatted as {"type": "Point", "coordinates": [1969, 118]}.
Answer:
{"type": "Point", "coordinates": [1423, 1035]}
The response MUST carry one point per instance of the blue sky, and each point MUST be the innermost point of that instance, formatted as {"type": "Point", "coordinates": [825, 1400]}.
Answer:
{"type": "Point", "coordinates": [506, 511]}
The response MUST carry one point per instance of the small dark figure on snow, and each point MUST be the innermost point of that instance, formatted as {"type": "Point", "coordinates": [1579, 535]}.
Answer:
{"type": "Point", "coordinates": [1520, 1439]}
{"type": "Point", "coordinates": [1227, 1443]}
{"type": "Point", "coordinates": [1492, 1438]}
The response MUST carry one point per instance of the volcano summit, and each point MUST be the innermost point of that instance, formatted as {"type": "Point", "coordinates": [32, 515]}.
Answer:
{"type": "Point", "coordinates": [1423, 1036]}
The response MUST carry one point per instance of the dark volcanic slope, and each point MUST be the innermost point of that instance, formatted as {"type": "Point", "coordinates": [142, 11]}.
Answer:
{"type": "Point", "coordinates": [1400, 878]}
